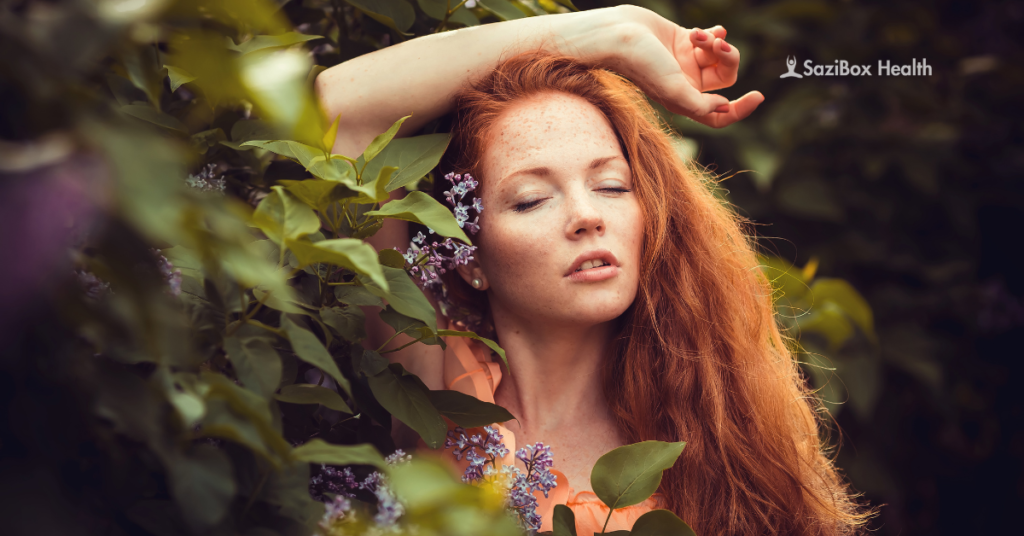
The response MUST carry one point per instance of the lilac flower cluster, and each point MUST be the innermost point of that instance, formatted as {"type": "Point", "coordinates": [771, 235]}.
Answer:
{"type": "Point", "coordinates": [490, 446]}
{"type": "Point", "coordinates": [343, 483]}
{"type": "Point", "coordinates": [207, 180]}
{"type": "Point", "coordinates": [520, 485]}
{"type": "Point", "coordinates": [171, 274]}
{"type": "Point", "coordinates": [432, 258]}
{"type": "Point", "coordinates": [94, 287]}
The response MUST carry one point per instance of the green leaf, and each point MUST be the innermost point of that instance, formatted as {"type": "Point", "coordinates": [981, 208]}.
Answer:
{"type": "Point", "coordinates": [419, 207]}
{"type": "Point", "coordinates": [152, 115]}
{"type": "Point", "coordinates": [267, 42]}
{"type": "Point", "coordinates": [203, 484]}
{"type": "Point", "coordinates": [141, 64]}
{"type": "Point", "coordinates": [356, 295]}
{"type": "Point", "coordinates": [370, 363]}
{"type": "Point", "coordinates": [256, 363]}
{"type": "Point", "coordinates": [331, 135]}
{"type": "Point", "coordinates": [319, 451]}
{"type": "Point", "coordinates": [309, 349]}
{"type": "Point", "coordinates": [399, 321]}
{"type": "Point", "coordinates": [245, 130]}
{"type": "Point", "coordinates": [376, 190]}
{"type": "Point", "coordinates": [382, 140]}
{"type": "Point", "coordinates": [828, 320]}
{"type": "Point", "coordinates": [414, 157]}
{"type": "Point", "coordinates": [405, 397]}
{"type": "Point", "coordinates": [503, 9]}
{"type": "Point", "coordinates": [304, 393]}
{"type": "Point", "coordinates": [661, 523]}
{"type": "Point", "coordinates": [564, 521]}
{"type": "Point", "coordinates": [178, 77]}
{"type": "Point", "coordinates": [468, 411]}
{"type": "Point", "coordinates": [630, 474]}
{"type": "Point", "coordinates": [312, 158]}
{"type": "Point", "coordinates": [203, 141]}
{"type": "Point", "coordinates": [848, 300]}
{"type": "Point", "coordinates": [349, 322]}
{"type": "Point", "coordinates": [568, 4]}
{"type": "Point", "coordinates": [786, 279]}
{"type": "Point", "coordinates": [490, 344]}
{"type": "Point", "coordinates": [391, 257]}
{"type": "Point", "coordinates": [395, 14]}
{"type": "Point", "coordinates": [350, 253]}
{"type": "Point", "coordinates": [403, 295]}
{"type": "Point", "coordinates": [317, 193]}
{"type": "Point", "coordinates": [282, 216]}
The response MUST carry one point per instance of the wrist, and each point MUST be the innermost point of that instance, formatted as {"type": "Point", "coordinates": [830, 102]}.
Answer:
{"type": "Point", "coordinates": [596, 36]}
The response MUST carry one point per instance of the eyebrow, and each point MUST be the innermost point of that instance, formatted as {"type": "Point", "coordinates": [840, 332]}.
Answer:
{"type": "Point", "coordinates": [544, 171]}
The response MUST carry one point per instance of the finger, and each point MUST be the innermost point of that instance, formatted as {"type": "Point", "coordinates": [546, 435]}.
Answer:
{"type": "Point", "coordinates": [680, 97]}
{"type": "Point", "coordinates": [703, 47]}
{"type": "Point", "coordinates": [717, 31]}
{"type": "Point", "coordinates": [724, 71]}
{"type": "Point", "coordinates": [737, 110]}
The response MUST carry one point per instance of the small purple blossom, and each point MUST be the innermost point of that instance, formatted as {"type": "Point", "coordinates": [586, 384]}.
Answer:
{"type": "Point", "coordinates": [171, 274]}
{"type": "Point", "coordinates": [207, 180]}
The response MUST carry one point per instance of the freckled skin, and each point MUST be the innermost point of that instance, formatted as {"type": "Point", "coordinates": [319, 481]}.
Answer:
{"type": "Point", "coordinates": [525, 255]}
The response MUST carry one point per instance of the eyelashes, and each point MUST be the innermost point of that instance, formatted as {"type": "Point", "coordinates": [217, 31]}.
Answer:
{"type": "Point", "coordinates": [523, 207]}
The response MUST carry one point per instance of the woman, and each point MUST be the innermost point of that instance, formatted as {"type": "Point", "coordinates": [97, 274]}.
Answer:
{"type": "Point", "coordinates": [625, 295]}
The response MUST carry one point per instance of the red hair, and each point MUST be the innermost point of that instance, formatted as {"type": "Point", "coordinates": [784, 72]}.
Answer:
{"type": "Point", "coordinates": [700, 357]}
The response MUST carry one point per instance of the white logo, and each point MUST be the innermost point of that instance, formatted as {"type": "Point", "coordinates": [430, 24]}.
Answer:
{"type": "Point", "coordinates": [791, 65]}
{"type": "Point", "coordinates": [844, 68]}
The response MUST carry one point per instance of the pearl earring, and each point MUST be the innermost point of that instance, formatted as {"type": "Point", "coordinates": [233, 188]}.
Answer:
{"type": "Point", "coordinates": [477, 283]}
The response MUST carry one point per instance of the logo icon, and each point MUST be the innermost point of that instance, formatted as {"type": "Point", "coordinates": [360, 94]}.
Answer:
{"type": "Point", "coordinates": [791, 66]}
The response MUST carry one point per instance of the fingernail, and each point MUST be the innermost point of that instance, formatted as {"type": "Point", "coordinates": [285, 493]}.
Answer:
{"type": "Point", "coordinates": [701, 36]}
{"type": "Point", "coordinates": [726, 47]}
{"type": "Point", "coordinates": [722, 108]}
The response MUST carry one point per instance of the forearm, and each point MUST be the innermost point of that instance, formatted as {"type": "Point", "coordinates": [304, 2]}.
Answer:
{"type": "Point", "coordinates": [420, 76]}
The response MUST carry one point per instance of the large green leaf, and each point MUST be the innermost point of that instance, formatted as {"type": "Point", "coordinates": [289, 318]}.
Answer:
{"type": "Point", "coordinates": [319, 451]}
{"type": "Point", "coordinates": [661, 523]}
{"type": "Point", "coordinates": [469, 334]}
{"type": "Point", "coordinates": [827, 319]}
{"type": "Point", "coordinates": [436, 9]}
{"type": "Point", "coordinates": [302, 393]}
{"type": "Point", "coordinates": [419, 207]}
{"type": "Point", "coordinates": [403, 295]}
{"type": "Point", "coordinates": [564, 521]}
{"type": "Point", "coordinates": [382, 140]}
{"type": "Point", "coordinates": [203, 484]}
{"type": "Point", "coordinates": [357, 295]}
{"type": "Point", "coordinates": [377, 187]}
{"type": "Point", "coordinates": [503, 9]}
{"type": "Point", "coordinates": [630, 474]}
{"type": "Point", "coordinates": [395, 14]}
{"type": "Point", "coordinates": [848, 300]}
{"type": "Point", "coordinates": [405, 397]}
{"type": "Point", "coordinates": [414, 157]}
{"type": "Point", "coordinates": [267, 42]}
{"type": "Point", "coordinates": [309, 349]}
{"type": "Point", "coordinates": [281, 216]}
{"type": "Point", "coordinates": [152, 115]}
{"type": "Point", "coordinates": [317, 193]}
{"type": "Point", "coordinates": [178, 77]}
{"type": "Point", "coordinates": [468, 411]}
{"type": "Point", "coordinates": [350, 253]}
{"type": "Point", "coordinates": [256, 363]}
{"type": "Point", "coordinates": [349, 322]}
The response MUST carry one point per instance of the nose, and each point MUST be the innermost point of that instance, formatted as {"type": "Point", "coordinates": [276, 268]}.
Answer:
{"type": "Point", "coordinates": [584, 218]}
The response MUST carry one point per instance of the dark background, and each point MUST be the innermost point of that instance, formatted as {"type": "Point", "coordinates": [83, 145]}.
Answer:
{"type": "Point", "coordinates": [910, 188]}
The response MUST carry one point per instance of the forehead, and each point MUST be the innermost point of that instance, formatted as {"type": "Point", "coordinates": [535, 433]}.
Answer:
{"type": "Point", "coordinates": [547, 129]}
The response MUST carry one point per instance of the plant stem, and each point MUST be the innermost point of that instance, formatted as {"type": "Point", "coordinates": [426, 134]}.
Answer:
{"type": "Point", "coordinates": [391, 338]}
{"type": "Point", "coordinates": [607, 519]}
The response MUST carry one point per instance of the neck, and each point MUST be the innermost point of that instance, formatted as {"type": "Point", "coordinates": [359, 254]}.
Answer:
{"type": "Point", "coordinates": [556, 372]}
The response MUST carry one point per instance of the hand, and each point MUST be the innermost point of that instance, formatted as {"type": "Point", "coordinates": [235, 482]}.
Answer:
{"type": "Point", "coordinates": [674, 65]}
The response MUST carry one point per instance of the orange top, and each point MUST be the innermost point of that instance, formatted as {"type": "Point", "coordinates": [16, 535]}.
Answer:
{"type": "Point", "coordinates": [469, 369]}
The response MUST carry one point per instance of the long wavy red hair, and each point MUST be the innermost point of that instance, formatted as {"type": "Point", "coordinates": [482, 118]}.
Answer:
{"type": "Point", "coordinates": [700, 357]}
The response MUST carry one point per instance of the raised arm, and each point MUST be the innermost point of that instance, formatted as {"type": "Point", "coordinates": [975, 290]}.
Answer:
{"type": "Point", "coordinates": [674, 65]}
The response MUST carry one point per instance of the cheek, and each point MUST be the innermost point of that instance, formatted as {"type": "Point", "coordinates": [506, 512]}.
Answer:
{"type": "Point", "coordinates": [513, 253]}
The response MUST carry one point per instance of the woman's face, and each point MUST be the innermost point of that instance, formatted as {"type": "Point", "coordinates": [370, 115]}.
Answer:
{"type": "Point", "coordinates": [561, 230]}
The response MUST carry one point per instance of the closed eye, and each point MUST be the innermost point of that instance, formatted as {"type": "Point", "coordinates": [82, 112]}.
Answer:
{"type": "Point", "coordinates": [616, 190]}
{"type": "Point", "coordinates": [523, 207]}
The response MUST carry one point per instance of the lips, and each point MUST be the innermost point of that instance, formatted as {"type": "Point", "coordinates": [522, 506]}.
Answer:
{"type": "Point", "coordinates": [592, 260]}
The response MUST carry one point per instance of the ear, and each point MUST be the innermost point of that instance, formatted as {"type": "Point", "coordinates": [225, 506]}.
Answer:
{"type": "Point", "coordinates": [471, 272]}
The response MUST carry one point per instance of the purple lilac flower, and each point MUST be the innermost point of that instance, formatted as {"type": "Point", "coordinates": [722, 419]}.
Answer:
{"type": "Point", "coordinates": [335, 510]}
{"type": "Point", "coordinates": [343, 484]}
{"type": "Point", "coordinates": [207, 180]}
{"type": "Point", "coordinates": [170, 273]}
{"type": "Point", "coordinates": [94, 287]}
{"type": "Point", "coordinates": [398, 457]}
{"type": "Point", "coordinates": [431, 259]}
{"type": "Point", "coordinates": [521, 486]}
